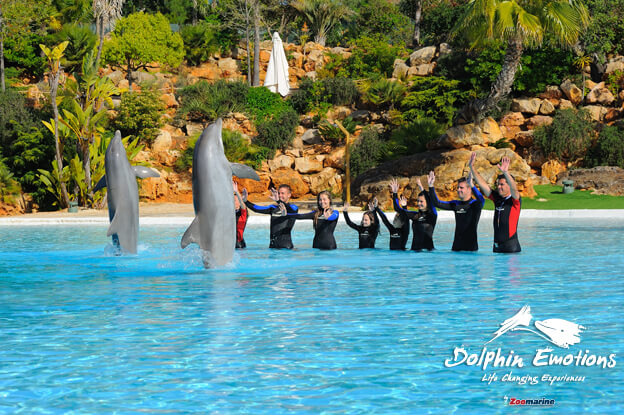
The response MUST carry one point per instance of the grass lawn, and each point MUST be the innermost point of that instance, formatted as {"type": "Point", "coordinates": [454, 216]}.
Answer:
{"type": "Point", "coordinates": [550, 197]}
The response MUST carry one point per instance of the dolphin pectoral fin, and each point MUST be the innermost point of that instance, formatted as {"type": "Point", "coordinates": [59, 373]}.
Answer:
{"type": "Point", "coordinates": [244, 172]}
{"type": "Point", "coordinates": [191, 236]}
{"type": "Point", "coordinates": [143, 172]}
{"type": "Point", "coordinates": [100, 185]}
{"type": "Point", "coordinates": [115, 226]}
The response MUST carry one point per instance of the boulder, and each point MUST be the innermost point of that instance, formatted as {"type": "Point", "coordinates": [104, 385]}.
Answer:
{"type": "Point", "coordinates": [308, 164]}
{"type": "Point", "coordinates": [207, 70]}
{"type": "Point", "coordinates": [547, 107]}
{"type": "Point", "coordinates": [596, 112]}
{"type": "Point", "coordinates": [228, 66]}
{"type": "Point", "coordinates": [292, 178]}
{"type": "Point", "coordinates": [600, 180]}
{"type": "Point", "coordinates": [423, 55]}
{"type": "Point", "coordinates": [565, 104]}
{"type": "Point", "coordinates": [552, 92]}
{"type": "Point", "coordinates": [421, 70]}
{"type": "Point", "coordinates": [320, 182]}
{"type": "Point", "coordinates": [310, 46]}
{"type": "Point", "coordinates": [589, 84]}
{"type": "Point", "coordinates": [163, 142]}
{"type": "Point", "coordinates": [169, 100]}
{"type": "Point", "coordinates": [311, 75]}
{"type": "Point", "coordinates": [534, 156]}
{"type": "Point", "coordinates": [614, 66]}
{"type": "Point", "coordinates": [445, 49]}
{"type": "Point", "coordinates": [612, 114]}
{"type": "Point", "coordinates": [154, 188]}
{"type": "Point", "coordinates": [193, 128]}
{"type": "Point", "coordinates": [512, 119]}
{"type": "Point", "coordinates": [297, 143]}
{"type": "Point", "coordinates": [524, 138]}
{"type": "Point", "coordinates": [116, 76]}
{"type": "Point", "coordinates": [600, 95]}
{"type": "Point", "coordinates": [459, 136]}
{"type": "Point", "coordinates": [400, 69]}
{"type": "Point", "coordinates": [537, 121]}
{"type": "Point", "coordinates": [572, 92]}
{"type": "Point", "coordinates": [311, 136]}
{"type": "Point", "coordinates": [265, 55]}
{"type": "Point", "coordinates": [490, 129]}
{"type": "Point", "coordinates": [255, 186]}
{"type": "Point", "coordinates": [361, 116]}
{"type": "Point", "coordinates": [296, 60]}
{"type": "Point", "coordinates": [338, 113]}
{"type": "Point", "coordinates": [526, 105]}
{"type": "Point", "coordinates": [335, 159]}
{"type": "Point", "coordinates": [140, 77]}
{"type": "Point", "coordinates": [316, 56]}
{"type": "Point", "coordinates": [551, 169]}
{"type": "Point", "coordinates": [282, 161]}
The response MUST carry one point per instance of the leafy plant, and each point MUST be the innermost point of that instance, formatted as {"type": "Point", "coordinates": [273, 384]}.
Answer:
{"type": "Point", "coordinates": [413, 138]}
{"type": "Point", "coordinates": [205, 102]}
{"type": "Point", "coordinates": [279, 131]}
{"type": "Point", "coordinates": [9, 187]}
{"type": "Point", "coordinates": [372, 57]}
{"type": "Point", "coordinates": [615, 82]}
{"type": "Point", "coordinates": [568, 137]}
{"type": "Point", "coordinates": [81, 42]}
{"type": "Point", "coordinates": [608, 149]}
{"type": "Point", "coordinates": [433, 97]}
{"type": "Point", "coordinates": [139, 115]}
{"type": "Point", "coordinates": [333, 133]}
{"type": "Point", "coordinates": [262, 104]}
{"type": "Point", "coordinates": [339, 91]}
{"type": "Point", "coordinates": [367, 152]}
{"type": "Point", "coordinates": [384, 93]}
{"type": "Point", "coordinates": [200, 42]}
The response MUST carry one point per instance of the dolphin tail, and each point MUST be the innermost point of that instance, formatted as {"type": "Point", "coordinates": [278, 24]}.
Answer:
{"type": "Point", "coordinates": [143, 172]}
{"type": "Point", "coordinates": [115, 226]}
{"type": "Point", "coordinates": [100, 185]}
{"type": "Point", "coordinates": [191, 236]}
{"type": "Point", "coordinates": [244, 172]}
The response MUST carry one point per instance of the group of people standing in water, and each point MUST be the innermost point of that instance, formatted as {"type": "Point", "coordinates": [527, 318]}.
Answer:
{"type": "Point", "coordinates": [467, 209]}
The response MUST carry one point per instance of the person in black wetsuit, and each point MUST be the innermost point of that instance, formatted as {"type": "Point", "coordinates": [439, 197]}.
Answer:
{"type": "Point", "coordinates": [507, 203]}
{"type": "Point", "coordinates": [399, 228]}
{"type": "Point", "coordinates": [281, 223]}
{"type": "Point", "coordinates": [325, 220]}
{"type": "Point", "coordinates": [467, 212]}
{"type": "Point", "coordinates": [423, 220]}
{"type": "Point", "coordinates": [368, 229]}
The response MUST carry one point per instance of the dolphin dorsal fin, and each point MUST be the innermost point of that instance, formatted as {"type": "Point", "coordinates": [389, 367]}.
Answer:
{"type": "Point", "coordinates": [191, 236]}
{"type": "Point", "coordinates": [143, 172]}
{"type": "Point", "coordinates": [100, 185]}
{"type": "Point", "coordinates": [244, 172]}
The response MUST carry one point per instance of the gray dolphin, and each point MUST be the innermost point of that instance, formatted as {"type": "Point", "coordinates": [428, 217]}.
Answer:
{"type": "Point", "coordinates": [214, 226]}
{"type": "Point", "coordinates": [123, 194]}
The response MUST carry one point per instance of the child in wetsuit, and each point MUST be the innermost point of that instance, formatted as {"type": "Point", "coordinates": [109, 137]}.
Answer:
{"type": "Point", "coordinates": [423, 220]}
{"type": "Point", "coordinates": [368, 229]}
{"type": "Point", "coordinates": [325, 220]}
{"type": "Point", "coordinates": [399, 228]}
{"type": "Point", "coordinates": [241, 218]}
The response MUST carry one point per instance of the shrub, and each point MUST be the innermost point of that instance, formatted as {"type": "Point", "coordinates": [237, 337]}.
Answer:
{"type": "Point", "coordinates": [608, 150]}
{"type": "Point", "coordinates": [279, 131]}
{"type": "Point", "coordinates": [205, 102]}
{"type": "Point", "coordinates": [81, 41]}
{"type": "Point", "coordinates": [9, 187]}
{"type": "Point", "coordinates": [262, 104]}
{"type": "Point", "coordinates": [139, 115]}
{"type": "Point", "coordinates": [380, 17]}
{"type": "Point", "coordinates": [433, 97]}
{"type": "Point", "coordinates": [367, 152]}
{"type": "Point", "coordinates": [414, 137]}
{"type": "Point", "coordinates": [615, 82]}
{"type": "Point", "coordinates": [200, 42]}
{"type": "Point", "coordinates": [438, 21]}
{"type": "Point", "coordinates": [372, 57]}
{"type": "Point", "coordinates": [339, 91]}
{"type": "Point", "coordinates": [569, 135]}
{"type": "Point", "coordinates": [384, 93]}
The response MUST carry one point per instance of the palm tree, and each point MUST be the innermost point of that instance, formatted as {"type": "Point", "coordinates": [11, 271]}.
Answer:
{"type": "Point", "coordinates": [322, 16]}
{"type": "Point", "coordinates": [519, 23]}
{"type": "Point", "coordinates": [106, 13]}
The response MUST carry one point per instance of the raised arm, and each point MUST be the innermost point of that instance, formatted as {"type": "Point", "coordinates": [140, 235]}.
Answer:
{"type": "Point", "coordinates": [347, 219]}
{"type": "Point", "coordinates": [513, 186]}
{"type": "Point", "coordinates": [485, 188]}
{"type": "Point", "coordinates": [384, 219]}
{"type": "Point", "coordinates": [238, 195]}
{"type": "Point", "coordinates": [435, 202]}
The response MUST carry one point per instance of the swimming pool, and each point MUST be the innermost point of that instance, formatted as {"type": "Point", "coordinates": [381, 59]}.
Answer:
{"type": "Point", "coordinates": [305, 331]}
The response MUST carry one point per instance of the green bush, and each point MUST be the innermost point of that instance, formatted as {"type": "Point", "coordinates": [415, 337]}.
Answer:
{"type": "Point", "coordinates": [81, 41]}
{"type": "Point", "coordinates": [339, 91]}
{"type": "Point", "coordinates": [413, 138]}
{"type": "Point", "coordinates": [23, 52]}
{"type": "Point", "coordinates": [372, 57]}
{"type": "Point", "coordinates": [568, 137]}
{"type": "Point", "coordinates": [438, 22]}
{"type": "Point", "coordinates": [262, 104]}
{"type": "Point", "coordinates": [139, 115]}
{"type": "Point", "coordinates": [9, 187]}
{"type": "Point", "coordinates": [367, 152]}
{"type": "Point", "coordinates": [205, 102]}
{"type": "Point", "coordinates": [433, 97]}
{"type": "Point", "coordinates": [279, 131]}
{"type": "Point", "coordinates": [323, 93]}
{"type": "Point", "coordinates": [384, 93]}
{"type": "Point", "coordinates": [380, 17]}
{"type": "Point", "coordinates": [615, 82]}
{"type": "Point", "coordinates": [608, 149]}
{"type": "Point", "coordinates": [200, 42]}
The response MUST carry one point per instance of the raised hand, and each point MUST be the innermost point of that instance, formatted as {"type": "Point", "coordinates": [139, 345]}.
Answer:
{"type": "Point", "coordinates": [403, 201]}
{"type": "Point", "coordinates": [375, 203]}
{"type": "Point", "coordinates": [235, 186]}
{"type": "Point", "coordinates": [469, 179]}
{"type": "Point", "coordinates": [274, 195]}
{"type": "Point", "coordinates": [371, 206]}
{"type": "Point", "coordinates": [394, 186]}
{"type": "Point", "coordinates": [473, 157]}
{"type": "Point", "coordinates": [346, 207]}
{"type": "Point", "coordinates": [327, 212]}
{"type": "Point", "coordinates": [504, 164]}
{"type": "Point", "coordinates": [244, 195]}
{"type": "Point", "coordinates": [431, 178]}
{"type": "Point", "coordinates": [282, 209]}
{"type": "Point", "coordinates": [419, 184]}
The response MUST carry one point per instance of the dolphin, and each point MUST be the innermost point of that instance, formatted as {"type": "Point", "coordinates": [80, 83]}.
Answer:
{"type": "Point", "coordinates": [214, 226]}
{"type": "Point", "coordinates": [123, 194]}
{"type": "Point", "coordinates": [560, 332]}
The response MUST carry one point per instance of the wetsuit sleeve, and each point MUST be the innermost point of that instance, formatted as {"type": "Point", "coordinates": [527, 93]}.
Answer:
{"type": "Point", "coordinates": [309, 215]}
{"type": "Point", "coordinates": [292, 208]}
{"type": "Point", "coordinates": [333, 216]}
{"type": "Point", "coordinates": [478, 195]}
{"type": "Point", "coordinates": [376, 227]}
{"type": "Point", "coordinates": [260, 209]}
{"type": "Point", "coordinates": [350, 223]}
{"type": "Point", "coordinates": [399, 209]}
{"type": "Point", "coordinates": [435, 202]}
{"type": "Point", "coordinates": [384, 219]}
{"type": "Point", "coordinates": [430, 205]}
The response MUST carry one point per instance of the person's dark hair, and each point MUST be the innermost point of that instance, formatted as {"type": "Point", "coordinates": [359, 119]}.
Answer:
{"type": "Point", "coordinates": [284, 186]}
{"type": "Point", "coordinates": [319, 210]}
{"type": "Point", "coordinates": [423, 194]}
{"type": "Point", "coordinates": [371, 216]}
{"type": "Point", "coordinates": [461, 180]}
{"type": "Point", "coordinates": [502, 176]}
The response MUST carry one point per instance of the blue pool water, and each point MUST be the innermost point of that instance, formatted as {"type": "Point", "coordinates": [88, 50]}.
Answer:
{"type": "Point", "coordinates": [342, 332]}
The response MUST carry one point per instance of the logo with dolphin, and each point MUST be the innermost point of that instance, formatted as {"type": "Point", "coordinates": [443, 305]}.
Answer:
{"type": "Point", "coordinates": [559, 332]}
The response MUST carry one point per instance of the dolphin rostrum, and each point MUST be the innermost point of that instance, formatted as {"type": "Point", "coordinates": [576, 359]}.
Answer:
{"type": "Point", "coordinates": [214, 226]}
{"type": "Point", "coordinates": [123, 194]}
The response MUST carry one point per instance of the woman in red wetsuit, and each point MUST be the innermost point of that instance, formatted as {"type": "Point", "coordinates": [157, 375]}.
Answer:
{"type": "Point", "coordinates": [241, 218]}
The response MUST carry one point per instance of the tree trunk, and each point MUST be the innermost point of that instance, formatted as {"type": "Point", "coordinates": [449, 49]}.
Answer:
{"type": "Point", "coordinates": [57, 144]}
{"type": "Point", "coordinates": [256, 63]}
{"type": "Point", "coordinates": [248, 43]}
{"type": "Point", "coordinates": [100, 29]}
{"type": "Point", "coordinates": [86, 165]}
{"type": "Point", "coordinates": [129, 76]}
{"type": "Point", "coordinates": [417, 18]}
{"type": "Point", "coordinates": [475, 110]}
{"type": "Point", "coordinates": [194, 12]}
{"type": "Point", "coordinates": [2, 63]}
{"type": "Point", "coordinates": [320, 39]}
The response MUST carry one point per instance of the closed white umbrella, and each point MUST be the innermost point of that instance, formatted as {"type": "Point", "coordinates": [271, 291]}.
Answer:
{"type": "Point", "coordinates": [277, 72]}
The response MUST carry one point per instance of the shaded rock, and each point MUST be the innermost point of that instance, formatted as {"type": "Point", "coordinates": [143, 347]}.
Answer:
{"type": "Point", "coordinates": [335, 159]}
{"type": "Point", "coordinates": [552, 92]}
{"type": "Point", "coordinates": [458, 136]}
{"type": "Point", "coordinates": [445, 49]}
{"type": "Point", "coordinates": [311, 75]}
{"type": "Point", "coordinates": [400, 68]}
{"type": "Point", "coordinates": [537, 121]}
{"type": "Point", "coordinates": [162, 142]}
{"type": "Point", "coordinates": [361, 116]}
{"type": "Point", "coordinates": [612, 114]}
{"type": "Point", "coordinates": [308, 164]}
{"type": "Point", "coordinates": [596, 112]}
{"type": "Point", "coordinates": [603, 180]}
{"type": "Point", "coordinates": [293, 179]}
{"type": "Point", "coordinates": [524, 138]}
{"type": "Point", "coordinates": [282, 161]}
{"type": "Point", "coordinates": [530, 105]}
{"type": "Point", "coordinates": [572, 92]}
{"type": "Point", "coordinates": [565, 104]}
{"type": "Point", "coordinates": [423, 55]}
{"type": "Point", "coordinates": [547, 107]}
{"type": "Point", "coordinates": [533, 156]}
{"type": "Point", "coordinates": [600, 95]}
{"type": "Point", "coordinates": [551, 169]}
{"type": "Point", "coordinates": [311, 136]}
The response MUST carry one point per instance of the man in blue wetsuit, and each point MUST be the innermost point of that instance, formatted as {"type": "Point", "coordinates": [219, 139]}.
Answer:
{"type": "Point", "coordinates": [281, 223]}
{"type": "Point", "coordinates": [467, 212]}
{"type": "Point", "coordinates": [507, 204]}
